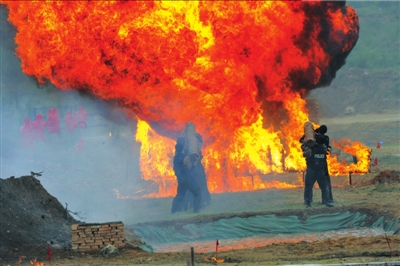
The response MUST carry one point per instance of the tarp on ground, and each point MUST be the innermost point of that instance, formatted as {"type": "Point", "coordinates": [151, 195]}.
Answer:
{"type": "Point", "coordinates": [263, 227]}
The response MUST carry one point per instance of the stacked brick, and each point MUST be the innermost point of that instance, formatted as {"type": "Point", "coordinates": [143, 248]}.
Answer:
{"type": "Point", "coordinates": [96, 236]}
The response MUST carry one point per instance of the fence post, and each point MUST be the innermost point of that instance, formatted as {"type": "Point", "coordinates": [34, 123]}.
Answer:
{"type": "Point", "coordinates": [192, 254]}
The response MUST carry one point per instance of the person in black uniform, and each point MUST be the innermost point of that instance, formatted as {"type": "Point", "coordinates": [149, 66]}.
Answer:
{"type": "Point", "coordinates": [316, 171]}
{"type": "Point", "coordinates": [322, 131]}
{"type": "Point", "coordinates": [186, 180]}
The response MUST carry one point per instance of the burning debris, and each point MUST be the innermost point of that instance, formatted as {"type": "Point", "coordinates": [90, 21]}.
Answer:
{"type": "Point", "coordinates": [21, 258]}
{"type": "Point", "coordinates": [35, 262]}
{"type": "Point", "coordinates": [239, 70]}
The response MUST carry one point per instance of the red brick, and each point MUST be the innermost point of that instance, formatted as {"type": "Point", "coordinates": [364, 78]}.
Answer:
{"type": "Point", "coordinates": [98, 242]}
{"type": "Point", "coordinates": [74, 227]}
{"type": "Point", "coordinates": [116, 224]}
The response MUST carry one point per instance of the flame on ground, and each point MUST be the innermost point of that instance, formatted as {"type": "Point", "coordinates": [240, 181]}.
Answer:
{"type": "Point", "coordinates": [239, 70]}
{"type": "Point", "coordinates": [36, 263]}
{"type": "Point", "coordinates": [214, 259]}
{"type": "Point", "coordinates": [20, 259]}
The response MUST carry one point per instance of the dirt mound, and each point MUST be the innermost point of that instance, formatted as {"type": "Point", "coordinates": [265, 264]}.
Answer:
{"type": "Point", "coordinates": [386, 176]}
{"type": "Point", "coordinates": [31, 217]}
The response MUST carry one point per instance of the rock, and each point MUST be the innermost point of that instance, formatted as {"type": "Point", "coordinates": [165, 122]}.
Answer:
{"type": "Point", "coordinates": [56, 246]}
{"type": "Point", "coordinates": [109, 250]}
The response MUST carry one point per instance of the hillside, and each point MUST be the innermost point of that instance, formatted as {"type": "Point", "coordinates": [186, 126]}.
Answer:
{"type": "Point", "coordinates": [365, 91]}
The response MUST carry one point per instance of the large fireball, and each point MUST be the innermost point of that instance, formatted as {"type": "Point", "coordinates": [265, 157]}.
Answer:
{"type": "Point", "coordinates": [239, 70]}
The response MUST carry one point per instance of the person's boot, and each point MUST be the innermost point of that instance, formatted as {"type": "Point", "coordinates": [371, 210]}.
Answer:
{"type": "Point", "coordinates": [329, 204]}
{"type": "Point", "coordinates": [308, 204]}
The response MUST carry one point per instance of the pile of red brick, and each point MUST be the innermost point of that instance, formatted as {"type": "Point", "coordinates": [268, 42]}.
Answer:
{"type": "Point", "coordinates": [96, 236]}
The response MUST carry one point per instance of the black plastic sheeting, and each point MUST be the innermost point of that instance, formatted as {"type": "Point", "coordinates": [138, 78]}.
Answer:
{"type": "Point", "coordinates": [264, 226]}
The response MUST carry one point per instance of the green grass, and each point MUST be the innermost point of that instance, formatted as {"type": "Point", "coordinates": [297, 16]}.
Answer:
{"type": "Point", "coordinates": [369, 132]}
{"type": "Point", "coordinates": [382, 188]}
{"type": "Point", "coordinates": [388, 160]}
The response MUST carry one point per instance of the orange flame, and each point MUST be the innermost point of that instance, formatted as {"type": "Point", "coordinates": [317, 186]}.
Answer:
{"type": "Point", "coordinates": [214, 259]}
{"type": "Point", "coordinates": [20, 259]}
{"type": "Point", "coordinates": [239, 70]}
{"type": "Point", "coordinates": [36, 263]}
{"type": "Point", "coordinates": [360, 152]}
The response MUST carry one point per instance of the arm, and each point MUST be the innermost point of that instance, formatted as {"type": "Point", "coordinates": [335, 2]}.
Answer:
{"type": "Point", "coordinates": [327, 144]}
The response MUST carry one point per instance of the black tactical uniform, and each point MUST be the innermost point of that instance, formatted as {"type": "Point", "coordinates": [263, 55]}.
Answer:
{"type": "Point", "coordinates": [327, 199]}
{"type": "Point", "coordinates": [186, 181]}
{"type": "Point", "coordinates": [322, 131]}
{"type": "Point", "coordinates": [316, 171]}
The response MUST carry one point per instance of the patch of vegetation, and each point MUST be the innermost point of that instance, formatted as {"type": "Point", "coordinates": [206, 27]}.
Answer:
{"type": "Point", "coordinates": [388, 160]}
{"type": "Point", "coordinates": [369, 134]}
{"type": "Point", "coordinates": [385, 188]}
{"type": "Point", "coordinates": [379, 38]}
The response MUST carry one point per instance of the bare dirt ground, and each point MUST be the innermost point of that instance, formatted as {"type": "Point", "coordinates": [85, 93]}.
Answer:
{"type": "Point", "coordinates": [30, 217]}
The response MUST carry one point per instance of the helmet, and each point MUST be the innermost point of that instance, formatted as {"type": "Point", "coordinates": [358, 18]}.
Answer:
{"type": "Point", "coordinates": [322, 129]}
